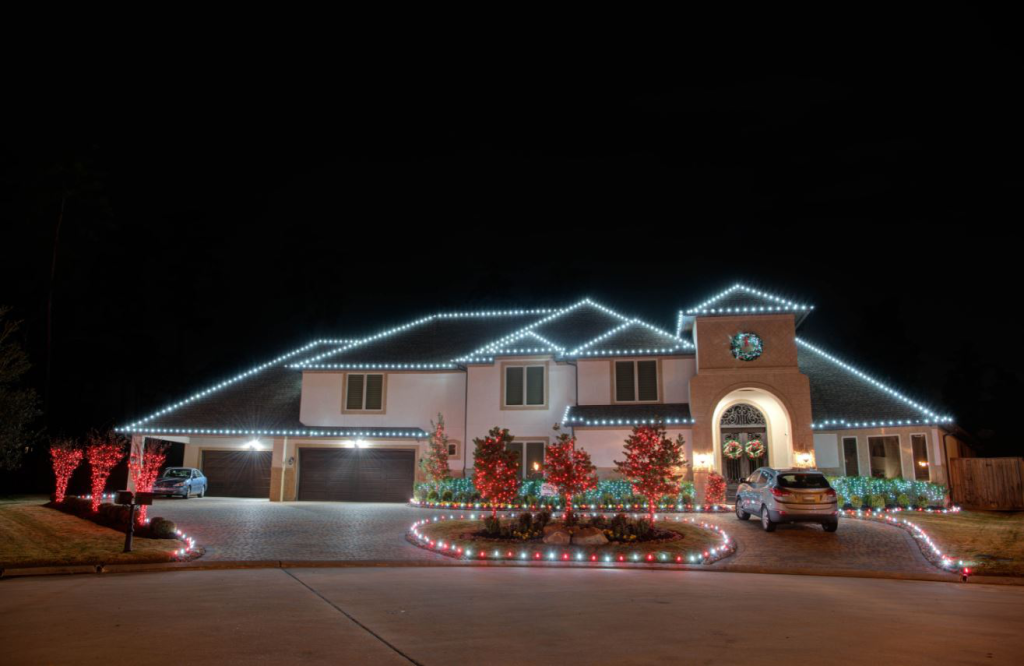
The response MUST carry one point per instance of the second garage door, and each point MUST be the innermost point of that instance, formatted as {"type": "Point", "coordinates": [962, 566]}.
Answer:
{"type": "Point", "coordinates": [237, 473]}
{"type": "Point", "coordinates": [356, 475]}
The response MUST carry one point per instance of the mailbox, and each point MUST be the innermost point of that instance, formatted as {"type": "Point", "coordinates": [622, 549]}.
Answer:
{"type": "Point", "coordinates": [124, 497]}
{"type": "Point", "coordinates": [144, 499]}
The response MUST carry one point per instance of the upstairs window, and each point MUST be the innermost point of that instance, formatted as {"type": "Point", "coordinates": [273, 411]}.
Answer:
{"type": "Point", "coordinates": [636, 381]}
{"type": "Point", "coordinates": [524, 386]}
{"type": "Point", "coordinates": [364, 393]}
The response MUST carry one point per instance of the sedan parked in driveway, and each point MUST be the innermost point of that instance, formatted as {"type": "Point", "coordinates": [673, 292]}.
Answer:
{"type": "Point", "coordinates": [181, 481]}
{"type": "Point", "coordinates": [788, 496]}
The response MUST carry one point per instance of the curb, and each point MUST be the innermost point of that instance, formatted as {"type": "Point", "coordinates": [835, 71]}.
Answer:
{"type": "Point", "coordinates": [721, 567]}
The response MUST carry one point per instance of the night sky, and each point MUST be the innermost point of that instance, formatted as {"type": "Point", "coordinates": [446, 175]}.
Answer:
{"type": "Point", "coordinates": [227, 217]}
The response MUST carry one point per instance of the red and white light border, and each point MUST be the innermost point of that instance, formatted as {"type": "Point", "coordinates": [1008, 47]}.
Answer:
{"type": "Point", "coordinates": [931, 550]}
{"type": "Point", "coordinates": [591, 509]}
{"type": "Point", "coordinates": [577, 555]}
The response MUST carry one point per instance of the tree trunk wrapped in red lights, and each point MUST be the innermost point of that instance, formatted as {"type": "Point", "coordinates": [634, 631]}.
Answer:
{"type": "Point", "coordinates": [144, 473]}
{"type": "Point", "coordinates": [434, 463]}
{"type": "Point", "coordinates": [496, 468]}
{"type": "Point", "coordinates": [104, 451]}
{"type": "Point", "coordinates": [65, 457]}
{"type": "Point", "coordinates": [651, 459]}
{"type": "Point", "coordinates": [569, 469]}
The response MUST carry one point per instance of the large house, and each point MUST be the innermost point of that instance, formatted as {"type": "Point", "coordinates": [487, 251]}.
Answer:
{"type": "Point", "coordinates": [347, 419]}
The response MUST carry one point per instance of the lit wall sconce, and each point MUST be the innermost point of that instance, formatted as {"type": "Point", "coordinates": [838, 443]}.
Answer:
{"type": "Point", "coordinates": [702, 462]}
{"type": "Point", "coordinates": [254, 445]}
{"type": "Point", "coordinates": [922, 463]}
{"type": "Point", "coordinates": [805, 459]}
{"type": "Point", "coordinates": [361, 443]}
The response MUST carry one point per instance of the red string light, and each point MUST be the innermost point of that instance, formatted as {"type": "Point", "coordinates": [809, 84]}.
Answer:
{"type": "Point", "coordinates": [144, 473]}
{"type": "Point", "coordinates": [103, 453]}
{"type": "Point", "coordinates": [569, 469]}
{"type": "Point", "coordinates": [651, 458]}
{"type": "Point", "coordinates": [65, 459]}
{"type": "Point", "coordinates": [496, 468]}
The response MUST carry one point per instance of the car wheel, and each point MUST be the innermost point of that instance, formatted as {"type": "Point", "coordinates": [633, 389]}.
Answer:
{"type": "Point", "coordinates": [185, 496]}
{"type": "Point", "coordinates": [740, 513]}
{"type": "Point", "coordinates": [202, 493]}
{"type": "Point", "coordinates": [766, 520]}
{"type": "Point", "coordinates": [830, 526]}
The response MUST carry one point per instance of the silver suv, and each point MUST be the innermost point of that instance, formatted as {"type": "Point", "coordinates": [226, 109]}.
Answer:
{"type": "Point", "coordinates": [788, 496]}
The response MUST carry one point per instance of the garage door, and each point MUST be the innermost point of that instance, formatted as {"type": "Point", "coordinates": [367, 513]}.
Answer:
{"type": "Point", "coordinates": [356, 475]}
{"type": "Point", "coordinates": [237, 473]}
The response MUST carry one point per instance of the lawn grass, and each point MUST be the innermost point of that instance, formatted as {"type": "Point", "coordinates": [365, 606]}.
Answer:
{"type": "Point", "coordinates": [32, 535]}
{"type": "Point", "coordinates": [695, 540]}
{"type": "Point", "coordinates": [988, 541]}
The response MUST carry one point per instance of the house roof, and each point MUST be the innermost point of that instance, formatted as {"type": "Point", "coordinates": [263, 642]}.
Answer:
{"type": "Point", "coordinates": [740, 299]}
{"type": "Point", "coordinates": [628, 415]}
{"type": "Point", "coordinates": [266, 399]}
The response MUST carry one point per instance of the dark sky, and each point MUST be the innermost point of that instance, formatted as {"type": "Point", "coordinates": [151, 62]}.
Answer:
{"type": "Point", "coordinates": [222, 215]}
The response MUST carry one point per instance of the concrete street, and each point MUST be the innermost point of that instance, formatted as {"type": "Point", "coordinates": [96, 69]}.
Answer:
{"type": "Point", "coordinates": [501, 615]}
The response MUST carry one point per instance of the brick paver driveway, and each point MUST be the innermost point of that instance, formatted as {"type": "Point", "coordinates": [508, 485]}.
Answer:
{"type": "Point", "coordinates": [250, 529]}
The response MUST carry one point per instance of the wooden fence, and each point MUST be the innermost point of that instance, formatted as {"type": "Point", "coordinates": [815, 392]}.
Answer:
{"type": "Point", "coordinates": [987, 483]}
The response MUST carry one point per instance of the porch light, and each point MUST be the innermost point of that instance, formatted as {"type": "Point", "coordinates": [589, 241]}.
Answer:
{"type": "Point", "coordinates": [361, 443]}
{"type": "Point", "coordinates": [702, 461]}
{"type": "Point", "coordinates": [253, 445]}
{"type": "Point", "coordinates": [805, 459]}
{"type": "Point", "coordinates": [922, 463]}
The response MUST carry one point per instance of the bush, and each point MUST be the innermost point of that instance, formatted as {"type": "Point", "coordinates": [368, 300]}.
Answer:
{"type": "Point", "coordinates": [432, 496]}
{"type": "Point", "coordinates": [542, 519]}
{"type": "Point", "coordinates": [492, 526]}
{"type": "Point", "coordinates": [903, 501]}
{"type": "Point", "coordinates": [856, 502]}
{"type": "Point", "coordinates": [921, 502]}
{"type": "Point", "coordinates": [161, 528]}
{"type": "Point", "coordinates": [840, 501]}
{"type": "Point", "coordinates": [877, 502]}
{"type": "Point", "coordinates": [447, 496]}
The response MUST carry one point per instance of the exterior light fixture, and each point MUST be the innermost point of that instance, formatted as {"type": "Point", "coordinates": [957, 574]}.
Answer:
{"type": "Point", "coordinates": [253, 445]}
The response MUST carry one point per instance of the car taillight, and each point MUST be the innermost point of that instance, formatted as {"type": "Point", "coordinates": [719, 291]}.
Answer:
{"type": "Point", "coordinates": [779, 492]}
{"type": "Point", "coordinates": [831, 492]}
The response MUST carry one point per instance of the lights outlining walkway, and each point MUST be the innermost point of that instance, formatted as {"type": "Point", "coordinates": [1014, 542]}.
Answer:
{"type": "Point", "coordinates": [593, 509]}
{"type": "Point", "coordinates": [932, 552]}
{"type": "Point", "coordinates": [577, 555]}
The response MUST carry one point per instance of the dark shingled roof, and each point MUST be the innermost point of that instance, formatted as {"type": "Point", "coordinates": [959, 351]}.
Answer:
{"type": "Point", "coordinates": [578, 326]}
{"type": "Point", "coordinates": [593, 415]}
{"type": "Point", "coordinates": [636, 336]}
{"type": "Point", "coordinates": [839, 394]}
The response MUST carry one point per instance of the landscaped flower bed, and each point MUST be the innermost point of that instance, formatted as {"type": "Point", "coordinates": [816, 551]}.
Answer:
{"type": "Point", "coordinates": [609, 496]}
{"type": "Point", "coordinates": [115, 516]}
{"type": "Point", "coordinates": [856, 492]}
{"type": "Point", "coordinates": [672, 540]}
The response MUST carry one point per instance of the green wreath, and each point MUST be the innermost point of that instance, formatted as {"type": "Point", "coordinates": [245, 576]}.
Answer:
{"type": "Point", "coordinates": [746, 346]}
{"type": "Point", "coordinates": [732, 449]}
{"type": "Point", "coordinates": [755, 449]}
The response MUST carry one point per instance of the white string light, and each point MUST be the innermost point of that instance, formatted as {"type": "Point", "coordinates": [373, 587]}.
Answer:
{"type": "Point", "coordinates": [415, 433]}
{"type": "Point", "coordinates": [783, 305]}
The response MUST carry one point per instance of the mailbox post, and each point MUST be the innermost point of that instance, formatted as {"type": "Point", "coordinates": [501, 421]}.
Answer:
{"type": "Point", "coordinates": [132, 501]}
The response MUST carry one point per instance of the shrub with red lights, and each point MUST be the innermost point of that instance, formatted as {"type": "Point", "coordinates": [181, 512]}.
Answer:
{"type": "Point", "coordinates": [434, 463]}
{"type": "Point", "coordinates": [568, 469]}
{"type": "Point", "coordinates": [144, 473]}
{"type": "Point", "coordinates": [651, 459]}
{"type": "Point", "coordinates": [103, 452]}
{"type": "Point", "coordinates": [496, 468]}
{"type": "Point", "coordinates": [65, 457]}
{"type": "Point", "coordinates": [715, 493]}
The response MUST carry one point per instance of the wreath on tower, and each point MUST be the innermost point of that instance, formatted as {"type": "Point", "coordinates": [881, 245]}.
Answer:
{"type": "Point", "coordinates": [732, 449]}
{"type": "Point", "coordinates": [746, 346]}
{"type": "Point", "coordinates": [755, 449]}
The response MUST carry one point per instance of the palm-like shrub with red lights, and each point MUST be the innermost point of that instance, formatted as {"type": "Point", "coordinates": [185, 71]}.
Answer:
{"type": "Point", "coordinates": [434, 463]}
{"type": "Point", "coordinates": [103, 452]}
{"type": "Point", "coordinates": [569, 469]}
{"type": "Point", "coordinates": [65, 457]}
{"type": "Point", "coordinates": [496, 468]}
{"type": "Point", "coordinates": [144, 473]}
{"type": "Point", "coordinates": [651, 459]}
{"type": "Point", "coordinates": [715, 493]}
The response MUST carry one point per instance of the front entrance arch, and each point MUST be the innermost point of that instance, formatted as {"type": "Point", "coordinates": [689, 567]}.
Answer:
{"type": "Point", "coordinates": [745, 425]}
{"type": "Point", "coordinates": [777, 426]}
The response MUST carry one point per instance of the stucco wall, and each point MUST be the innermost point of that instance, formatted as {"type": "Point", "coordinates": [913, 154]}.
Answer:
{"type": "Point", "coordinates": [605, 445]}
{"type": "Point", "coordinates": [595, 377]}
{"type": "Point", "coordinates": [484, 403]}
{"type": "Point", "coordinates": [933, 445]}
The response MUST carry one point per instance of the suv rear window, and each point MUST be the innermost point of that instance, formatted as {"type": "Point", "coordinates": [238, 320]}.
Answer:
{"type": "Point", "coordinates": [802, 481]}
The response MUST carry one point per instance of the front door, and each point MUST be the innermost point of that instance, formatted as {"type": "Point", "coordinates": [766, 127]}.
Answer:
{"type": "Point", "coordinates": [737, 469]}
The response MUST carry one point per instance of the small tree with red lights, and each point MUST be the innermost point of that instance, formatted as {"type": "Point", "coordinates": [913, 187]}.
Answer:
{"type": "Point", "coordinates": [569, 469]}
{"type": "Point", "coordinates": [715, 492]}
{"type": "Point", "coordinates": [651, 459]}
{"type": "Point", "coordinates": [65, 456]}
{"type": "Point", "coordinates": [144, 472]}
{"type": "Point", "coordinates": [434, 462]}
{"type": "Point", "coordinates": [103, 452]}
{"type": "Point", "coordinates": [496, 468]}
